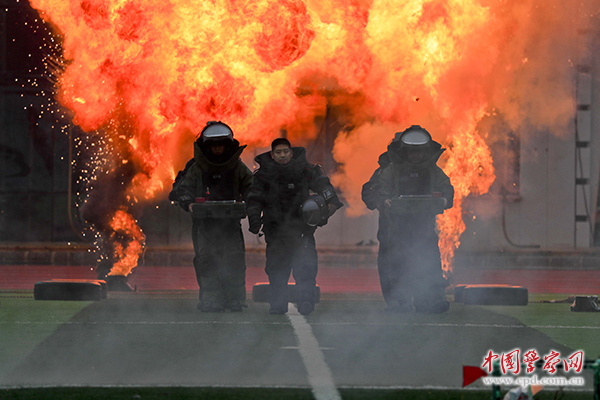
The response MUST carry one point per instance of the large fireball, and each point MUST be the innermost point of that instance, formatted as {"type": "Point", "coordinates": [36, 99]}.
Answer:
{"type": "Point", "coordinates": [148, 74]}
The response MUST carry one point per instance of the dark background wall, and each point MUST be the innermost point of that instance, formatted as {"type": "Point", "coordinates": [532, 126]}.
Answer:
{"type": "Point", "coordinates": [34, 146]}
{"type": "Point", "coordinates": [39, 192]}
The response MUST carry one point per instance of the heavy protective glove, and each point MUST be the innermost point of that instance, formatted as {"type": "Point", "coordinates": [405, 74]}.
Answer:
{"type": "Point", "coordinates": [255, 223]}
{"type": "Point", "coordinates": [185, 201]}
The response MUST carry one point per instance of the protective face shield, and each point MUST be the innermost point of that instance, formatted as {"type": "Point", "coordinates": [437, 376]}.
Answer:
{"type": "Point", "coordinates": [216, 131]}
{"type": "Point", "coordinates": [315, 211]}
{"type": "Point", "coordinates": [415, 145]}
{"type": "Point", "coordinates": [415, 137]}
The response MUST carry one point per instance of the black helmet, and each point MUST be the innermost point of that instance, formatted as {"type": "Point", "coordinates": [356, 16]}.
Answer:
{"type": "Point", "coordinates": [315, 211]}
{"type": "Point", "coordinates": [414, 139]}
{"type": "Point", "coordinates": [216, 131]}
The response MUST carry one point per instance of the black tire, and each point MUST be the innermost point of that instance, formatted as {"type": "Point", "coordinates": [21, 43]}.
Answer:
{"type": "Point", "coordinates": [68, 290]}
{"type": "Point", "coordinates": [495, 295]}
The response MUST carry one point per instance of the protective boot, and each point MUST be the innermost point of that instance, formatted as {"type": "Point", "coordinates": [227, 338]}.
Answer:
{"type": "Point", "coordinates": [212, 296]}
{"type": "Point", "coordinates": [440, 307]}
{"type": "Point", "coordinates": [234, 289]}
{"type": "Point", "coordinates": [305, 308]}
{"type": "Point", "coordinates": [432, 301]}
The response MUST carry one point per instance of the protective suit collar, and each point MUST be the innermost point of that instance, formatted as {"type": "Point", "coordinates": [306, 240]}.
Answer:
{"type": "Point", "coordinates": [384, 160]}
{"type": "Point", "coordinates": [298, 160]}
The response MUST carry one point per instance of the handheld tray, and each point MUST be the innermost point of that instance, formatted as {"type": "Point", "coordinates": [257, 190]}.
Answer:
{"type": "Point", "coordinates": [219, 209]}
{"type": "Point", "coordinates": [417, 205]}
{"type": "Point", "coordinates": [260, 293]}
{"type": "Point", "coordinates": [69, 289]}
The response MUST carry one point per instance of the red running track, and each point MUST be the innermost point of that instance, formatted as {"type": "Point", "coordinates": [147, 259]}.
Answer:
{"type": "Point", "coordinates": [17, 277]}
{"type": "Point", "coordinates": [331, 280]}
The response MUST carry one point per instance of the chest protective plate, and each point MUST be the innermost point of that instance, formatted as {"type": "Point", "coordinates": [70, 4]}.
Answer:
{"type": "Point", "coordinates": [290, 190]}
{"type": "Point", "coordinates": [414, 181]}
{"type": "Point", "coordinates": [218, 185]}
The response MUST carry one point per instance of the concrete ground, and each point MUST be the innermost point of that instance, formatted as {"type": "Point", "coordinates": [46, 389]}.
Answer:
{"type": "Point", "coordinates": [148, 341]}
{"type": "Point", "coordinates": [156, 336]}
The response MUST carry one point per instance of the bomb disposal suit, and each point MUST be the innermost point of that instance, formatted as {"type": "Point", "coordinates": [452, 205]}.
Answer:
{"type": "Point", "coordinates": [413, 255]}
{"type": "Point", "coordinates": [217, 174]}
{"type": "Point", "coordinates": [369, 196]}
{"type": "Point", "coordinates": [278, 193]}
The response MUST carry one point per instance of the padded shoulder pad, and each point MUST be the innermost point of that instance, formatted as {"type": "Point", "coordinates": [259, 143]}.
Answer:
{"type": "Point", "coordinates": [319, 169]}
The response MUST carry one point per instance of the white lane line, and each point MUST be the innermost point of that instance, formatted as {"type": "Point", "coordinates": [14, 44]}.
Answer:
{"type": "Point", "coordinates": [319, 374]}
{"type": "Point", "coordinates": [297, 348]}
{"type": "Point", "coordinates": [285, 323]}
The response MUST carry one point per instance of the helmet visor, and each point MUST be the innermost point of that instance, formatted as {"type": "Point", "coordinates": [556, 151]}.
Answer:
{"type": "Point", "coordinates": [415, 138]}
{"type": "Point", "coordinates": [217, 132]}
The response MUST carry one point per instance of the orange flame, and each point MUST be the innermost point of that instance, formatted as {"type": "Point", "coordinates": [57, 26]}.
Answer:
{"type": "Point", "coordinates": [261, 65]}
{"type": "Point", "coordinates": [128, 242]}
{"type": "Point", "coordinates": [471, 171]}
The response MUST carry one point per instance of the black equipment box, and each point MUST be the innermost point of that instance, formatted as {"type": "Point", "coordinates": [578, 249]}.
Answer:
{"type": "Point", "coordinates": [260, 293]}
{"type": "Point", "coordinates": [219, 209]}
{"type": "Point", "coordinates": [585, 304]}
{"type": "Point", "coordinates": [70, 289]}
{"type": "Point", "coordinates": [408, 204]}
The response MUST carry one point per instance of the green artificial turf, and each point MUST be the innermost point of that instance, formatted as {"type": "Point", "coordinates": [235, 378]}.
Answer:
{"type": "Point", "coordinates": [177, 393]}
{"type": "Point", "coordinates": [25, 322]}
{"type": "Point", "coordinates": [93, 393]}
{"type": "Point", "coordinates": [576, 330]}
{"type": "Point", "coordinates": [354, 330]}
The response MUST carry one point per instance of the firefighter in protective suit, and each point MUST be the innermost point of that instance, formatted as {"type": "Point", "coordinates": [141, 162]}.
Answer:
{"type": "Point", "coordinates": [281, 186]}
{"type": "Point", "coordinates": [413, 254]}
{"type": "Point", "coordinates": [217, 174]}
